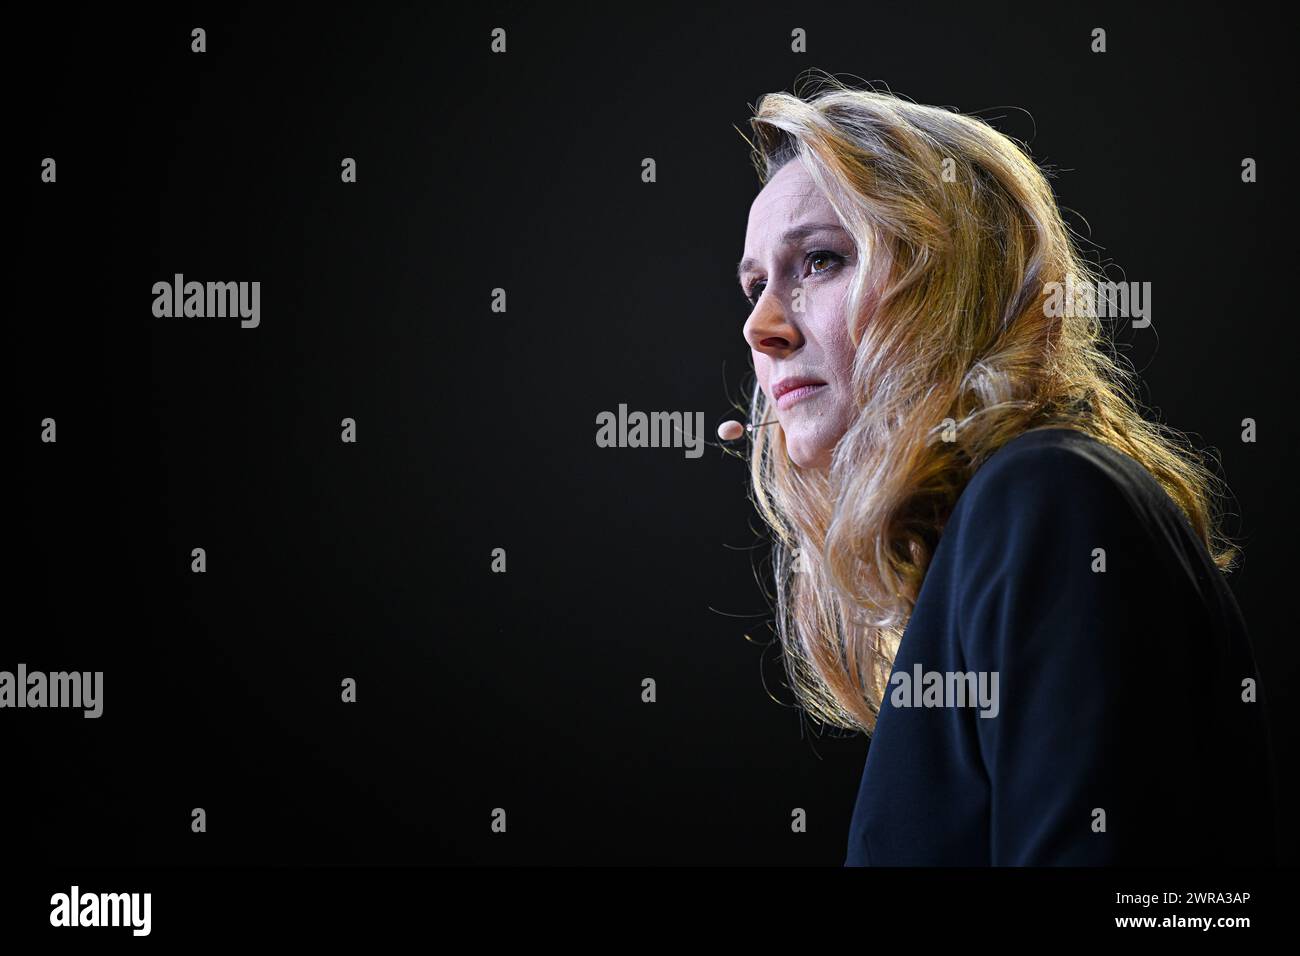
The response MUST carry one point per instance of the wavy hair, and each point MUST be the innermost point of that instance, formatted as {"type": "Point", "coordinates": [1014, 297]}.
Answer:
{"type": "Point", "coordinates": [963, 246]}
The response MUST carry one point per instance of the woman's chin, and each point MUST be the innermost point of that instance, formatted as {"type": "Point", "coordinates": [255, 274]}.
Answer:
{"type": "Point", "coordinates": [807, 453]}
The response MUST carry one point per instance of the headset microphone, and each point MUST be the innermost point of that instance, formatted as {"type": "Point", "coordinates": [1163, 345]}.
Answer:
{"type": "Point", "coordinates": [731, 430]}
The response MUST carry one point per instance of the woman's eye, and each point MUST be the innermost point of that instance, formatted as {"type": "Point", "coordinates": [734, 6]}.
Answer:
{"type": "Point", "coordinates": [823, 254]}
{"type": "Point", "coordinates": [831, 259]}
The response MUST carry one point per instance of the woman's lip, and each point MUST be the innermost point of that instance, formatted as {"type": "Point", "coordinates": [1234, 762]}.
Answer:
{"type": "Point", "coordinates": [797, 395]}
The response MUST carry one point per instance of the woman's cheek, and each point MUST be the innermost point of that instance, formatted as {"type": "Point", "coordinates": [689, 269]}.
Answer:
{"type": "Point", "coordinates": [762, 372]}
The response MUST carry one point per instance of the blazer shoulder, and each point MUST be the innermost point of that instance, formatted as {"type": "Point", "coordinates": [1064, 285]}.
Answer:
{"type": "Point", "coordinates": [1060, 469]}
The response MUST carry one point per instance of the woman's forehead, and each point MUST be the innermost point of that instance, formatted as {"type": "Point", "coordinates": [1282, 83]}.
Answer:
{"type": "Point", "coordinates": [791, 194]}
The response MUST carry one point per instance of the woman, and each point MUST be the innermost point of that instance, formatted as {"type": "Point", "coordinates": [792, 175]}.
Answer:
{"type": "Point", "coordinates": [985, 557]}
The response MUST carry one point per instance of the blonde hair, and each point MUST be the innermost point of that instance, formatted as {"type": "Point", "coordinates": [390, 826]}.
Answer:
{"type": "Point", "coordinates": [961, 237]}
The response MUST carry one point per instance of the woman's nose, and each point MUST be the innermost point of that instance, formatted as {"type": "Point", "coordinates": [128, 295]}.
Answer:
{"type": "Point", "coordinates": [770, 328]}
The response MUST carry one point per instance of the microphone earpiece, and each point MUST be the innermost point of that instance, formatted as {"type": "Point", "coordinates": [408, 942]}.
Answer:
{"type": "Point", "coordinates": [731, 430]}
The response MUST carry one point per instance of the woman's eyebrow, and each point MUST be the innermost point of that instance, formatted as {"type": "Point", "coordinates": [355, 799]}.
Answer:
{"type": "Point", "coordinates": [789, 237]}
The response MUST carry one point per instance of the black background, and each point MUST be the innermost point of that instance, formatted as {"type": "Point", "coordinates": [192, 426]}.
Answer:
{"type": "Point", "coordinates": [476, 429]}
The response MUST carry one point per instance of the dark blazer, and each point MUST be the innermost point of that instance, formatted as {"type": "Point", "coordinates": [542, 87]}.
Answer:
{"type": "Point", "coordinates": [1118, 691]}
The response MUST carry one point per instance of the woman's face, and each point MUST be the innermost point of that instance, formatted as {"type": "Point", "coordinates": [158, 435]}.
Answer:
{"type": "Point", "coordinates": [796, 272]}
